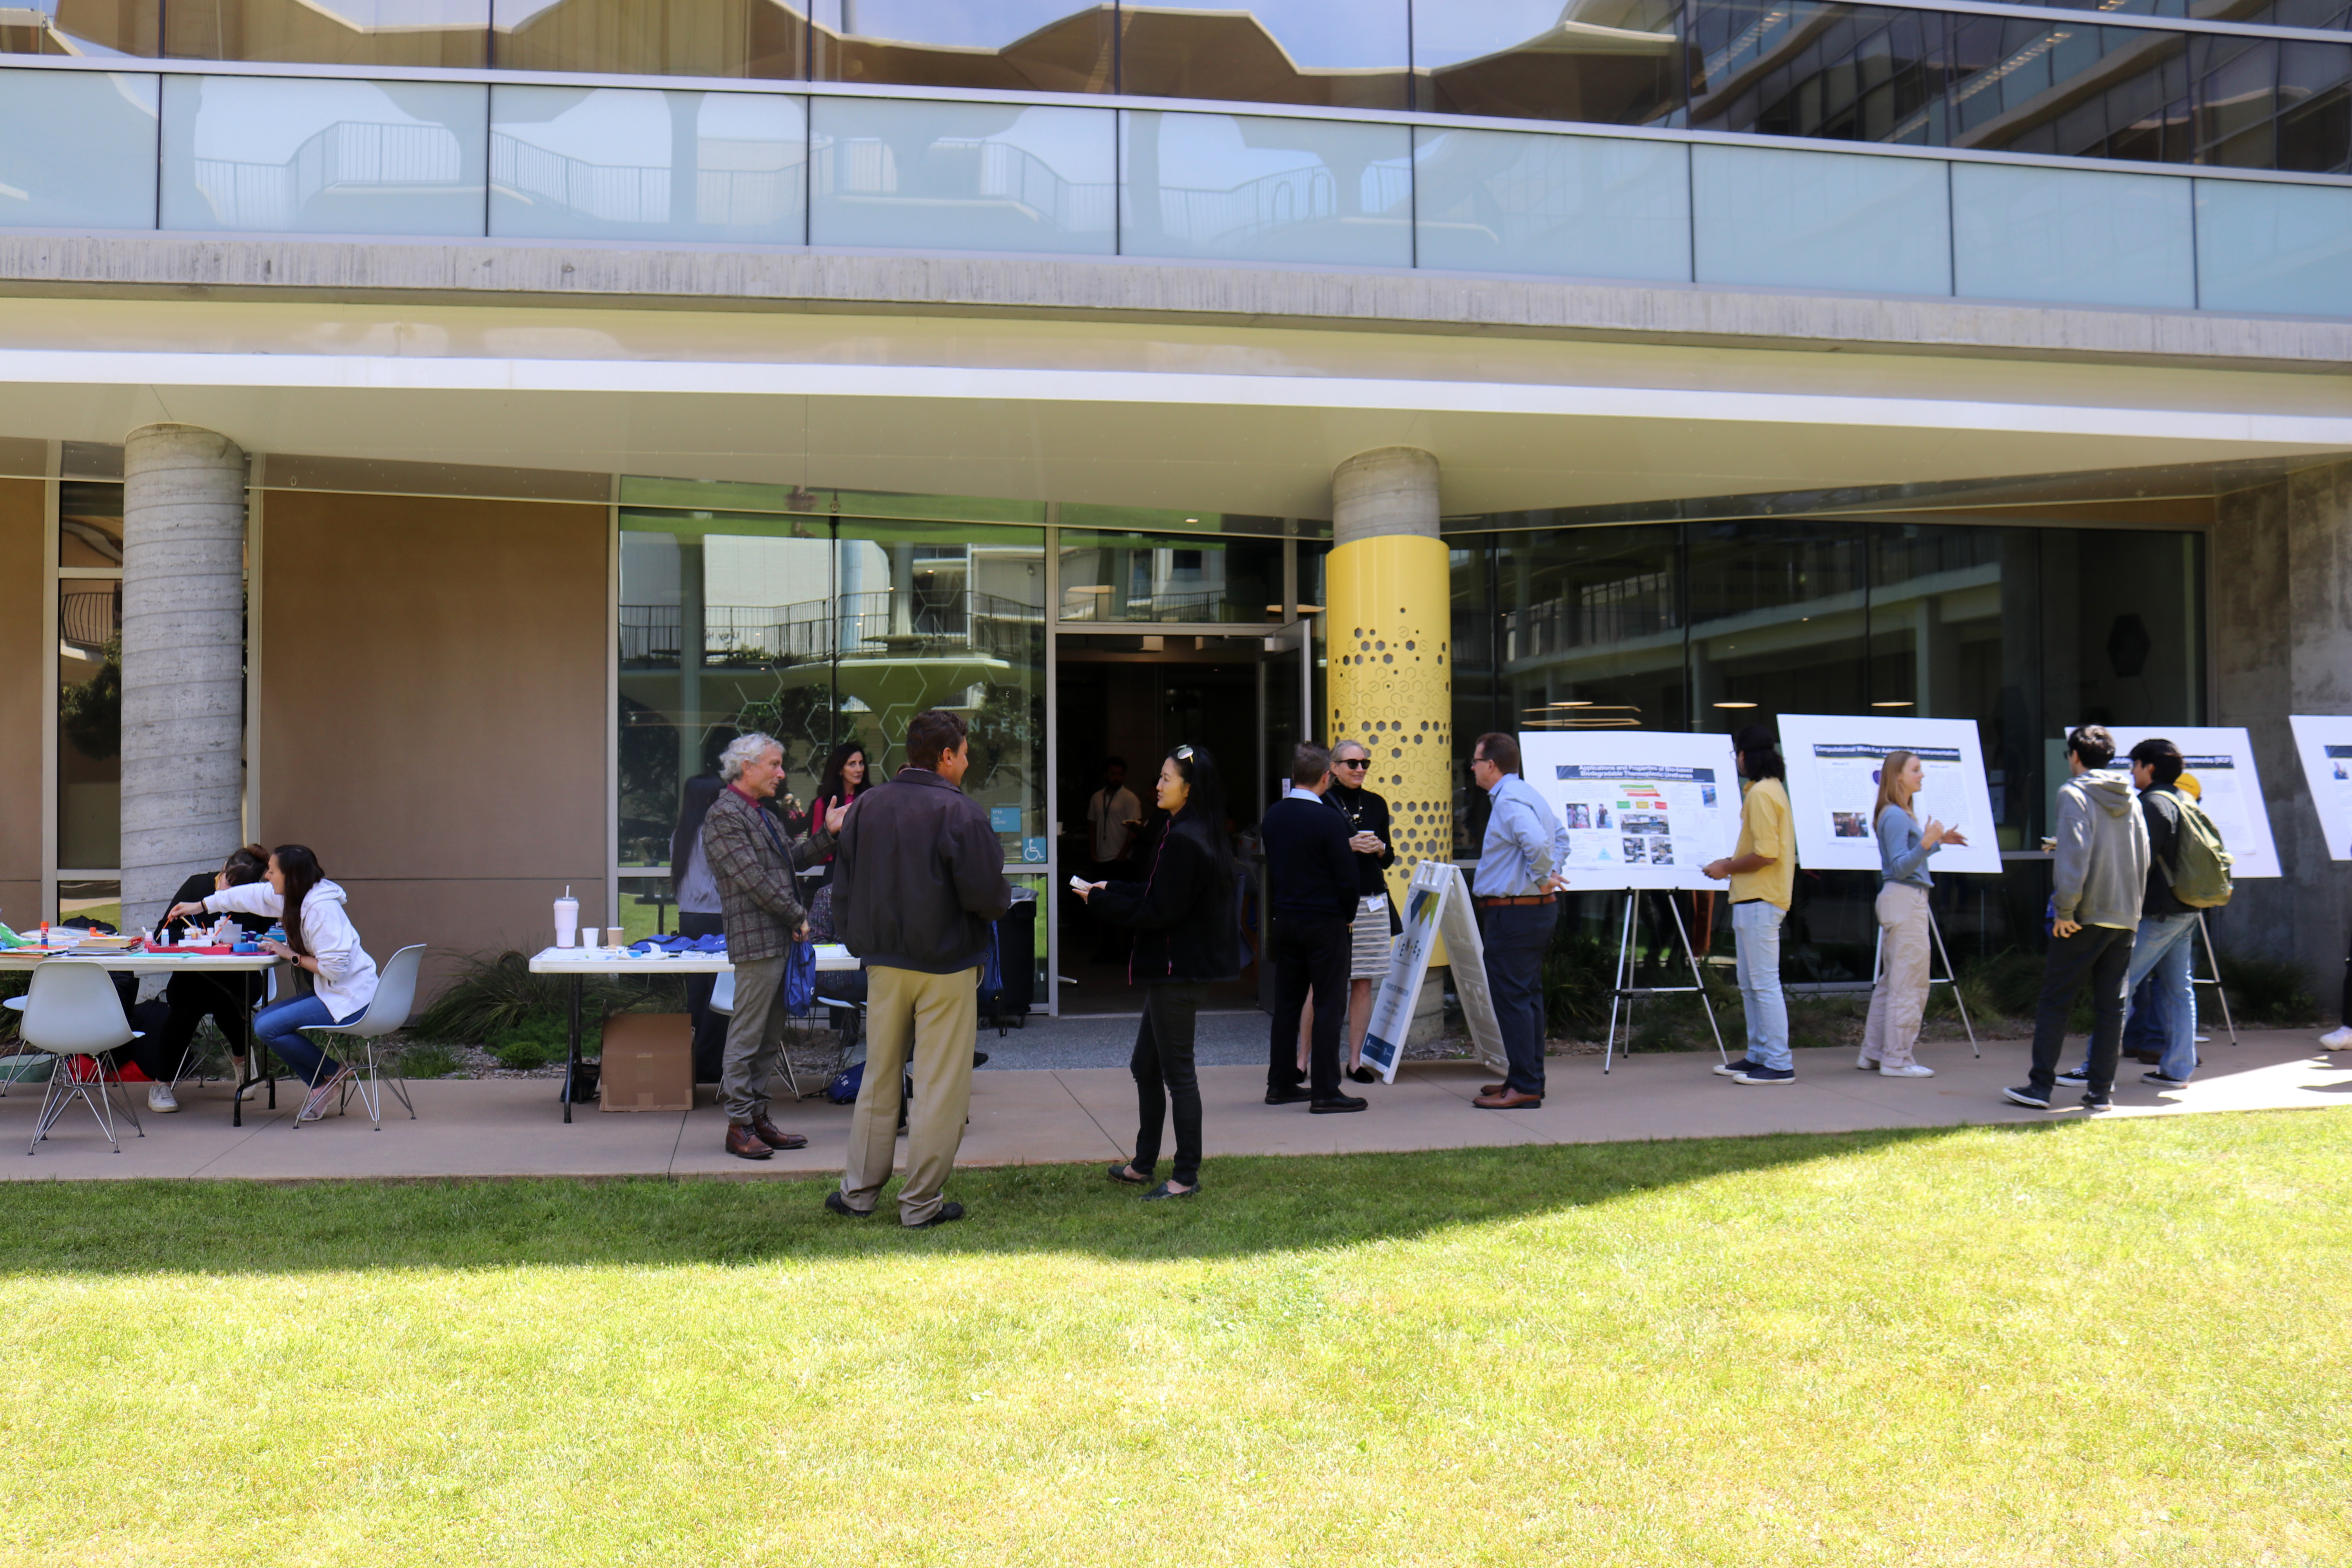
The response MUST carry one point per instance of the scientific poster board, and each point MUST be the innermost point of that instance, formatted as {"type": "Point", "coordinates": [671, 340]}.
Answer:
{"type": "Point", "coordinates": [1643, 808]}
{"type": "Point", "coordinates": [1436, 904]}
{"type": "Point", "coordinates": [1834, 768]}
{"type": "Point", "coordinates": [2324, 742]}
{"type": "Point", "coordinates": [2223, 762]}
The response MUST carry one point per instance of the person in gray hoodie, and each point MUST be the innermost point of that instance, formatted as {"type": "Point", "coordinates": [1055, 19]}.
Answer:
{"type": "Point", "coordinates": [2101, 874]}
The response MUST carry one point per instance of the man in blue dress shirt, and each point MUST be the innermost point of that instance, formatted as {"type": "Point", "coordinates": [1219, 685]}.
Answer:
{"type": "Point", "coordinates": [1518, 885]}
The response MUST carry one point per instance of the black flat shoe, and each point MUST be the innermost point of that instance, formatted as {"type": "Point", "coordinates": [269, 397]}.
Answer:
{"type": "Point", "coordinates": [1363, 1075]}
{"type": "Point", "coordinates": [1125, 1171]}
{"type": "Point", "coordinates": [1338, 1105]}
{"type": "Point", "coordinates": [948, 1212]}
{"type": "Point", "coordinates": [1161, 1191]}
{"type": "Point", "coordinates": [840, 1205]}
{"type": "Point", "coordinates": [1297, 1094]}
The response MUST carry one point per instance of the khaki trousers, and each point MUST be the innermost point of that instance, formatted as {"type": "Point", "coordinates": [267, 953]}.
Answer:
{"type": "Point", "coordinates": [1901, 995]}
{"type": "Point", "coordinates": [935, 1018]}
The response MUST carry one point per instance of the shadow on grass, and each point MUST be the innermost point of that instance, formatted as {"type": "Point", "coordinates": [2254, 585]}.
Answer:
{"type": "Point", "coordinates": [1248, 1205]}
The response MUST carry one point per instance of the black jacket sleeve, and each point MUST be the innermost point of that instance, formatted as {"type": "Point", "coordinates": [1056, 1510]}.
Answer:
{"type": "Point", "coordinates": [1166, 901]}
{"type": "Point", "coordinates": [1332, 840]}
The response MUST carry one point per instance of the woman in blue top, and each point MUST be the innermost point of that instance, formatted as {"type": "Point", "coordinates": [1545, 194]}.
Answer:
{"type": "Point", "coordinates": [1904, 846]}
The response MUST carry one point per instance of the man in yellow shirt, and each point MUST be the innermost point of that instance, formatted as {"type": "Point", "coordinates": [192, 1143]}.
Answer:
{"type": "Point", "coordinates": [1763, 869]}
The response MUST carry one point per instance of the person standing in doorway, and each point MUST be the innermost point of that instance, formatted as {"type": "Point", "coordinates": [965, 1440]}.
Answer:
{"type": "Point", "coordinates": [1906, 928]}
{"type": "Point", "coordinates": [1762, 872]}
{"type": "Point", "coordinates": [2101, 871]}
{"type": "Point", "coordinates": [1114, 818]}
{"type": "Point", "coordinates": [1313, 873]}
{"type": "Point", "coordinates": [2164, 942]}
{"type": "Point", "coordinates": [1517, 886]}
{"type": "Point", "coordinates": [1376, 923]}
{"type": "Point", "coordinates": [843, 776]}
{"type": "Point", "coordinates": [1186, 940]}
{"type": "Point", "coordinates": [920, 881]}
{"type": "Point", "coordinates": [759, 906]}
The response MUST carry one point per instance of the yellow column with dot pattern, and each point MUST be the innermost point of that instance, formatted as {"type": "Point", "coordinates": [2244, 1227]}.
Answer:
{"type": "Point", "coordinates": [1388, 683]}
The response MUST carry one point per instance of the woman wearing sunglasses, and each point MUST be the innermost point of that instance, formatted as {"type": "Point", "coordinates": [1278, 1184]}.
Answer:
{"type": "Point", "coordinates": [1376, 923]}
{"type": "Point", "coordinates": [1187, 937]}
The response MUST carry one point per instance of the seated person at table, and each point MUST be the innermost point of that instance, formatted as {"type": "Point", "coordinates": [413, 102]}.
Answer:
{"type": "Point", "coordinates": [321, 942]}
{"type": "Point", "coordinates": [228, 999]}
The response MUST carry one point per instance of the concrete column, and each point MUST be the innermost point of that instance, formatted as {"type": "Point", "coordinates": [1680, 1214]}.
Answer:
{"type": "Point", "coordinates": [2281, 569]}
{"type": "Point", "coordinates": [182, 660]}
{"type": "Point", "coordinates": [1387, 632]}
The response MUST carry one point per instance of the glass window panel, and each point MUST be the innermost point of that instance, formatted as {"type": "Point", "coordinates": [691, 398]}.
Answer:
{"type": "Point", "coordinates": [964, 176]}
{"type": "Point", "coordinates": [1246, 188]}
{"type": "Point", "coordinates": [85, 27]}
{"type": "Point", "coordinates": [89, 678]}
{"type": "Point", "coordinates": [1849, 73]}
{"type": "Point", "coordinates": [1822, 220]}
{"type": "Point", "coordinates": [453, 33]}
{"type": "Point", "coordinates": [2125, 642]}
{"type": "Point", "coordinates": [2084, 235]}
{"type": "Point", "coordinates": [1583, 207]}
{"type": "Point", "coordinates": [1591, 629]}
{"type": "Point", "coordinates": [292, 155]}
{"type": "Point", "coordinates": [1113, 578]}
{"type": "Point", "coordinates": [1614, 63]}
{"type": "Point", "coordinates": [1271, 51]}
{"type": "Point", "coordinates": [618, 164]}
{"type": "Point", "coordinates": [763, 39]}
{"type": "Point", "coordinates": [2274, 247]}
{"type": "Point", "coordinates": [1044, 46]}
{"type": "Point", "coordinates": [1777, 621]}
{"type": "Point", "coordinates": [76, 149]}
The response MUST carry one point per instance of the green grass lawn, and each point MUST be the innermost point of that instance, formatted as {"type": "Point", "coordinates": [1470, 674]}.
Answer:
{"type": "Point", "coordinates": [2120, 1342]}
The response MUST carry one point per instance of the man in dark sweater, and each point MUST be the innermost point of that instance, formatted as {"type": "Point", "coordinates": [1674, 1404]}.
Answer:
{"type": "Point", "coordinates": [1312, 902]}
{"type": "Point", "coordinates": [2165, 945]}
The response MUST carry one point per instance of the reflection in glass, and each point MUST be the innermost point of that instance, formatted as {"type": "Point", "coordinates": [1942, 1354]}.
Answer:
{"type": "Point", "coordinates": [1587, 206]}
{"type": "Point", "coordinates": [1821, 220]}
{"type": "Point", "coordinates": [293, 155]}
{"type": "Point", "coordinates": [1843, 72]}
{"type": "Point", "coordinates": [1271, 51]}
{"type": "Point", "coordinates": [76, 149]}
{"type": "Point", "coordinates": [454, 33]}
{"type": "Point", "coordinates": [1247, 188]}
{"type": "Point", "coordinates": [962, 176]}
{"type": "Point", "coordinates": [1111, 578]}
{"type": "Point", "coordinates": [616, 163]}
{"type": "Point", "coordinates": [1043, 45]}
{"type": "Point", "coordinates": [1777, 617]}
{"type": "Point", "coordinates": [89, 676]}
{"type": "Point", "coordinates": [763, 39]}
{"type": "Point", "coordinates": [1604, 62]}
{"type": "Point", "coordinates": [2274, 247]}
{"type": "Point", "coordinates": [2088, 235]}
{"type": "Point", "coordinates": [79, 27]}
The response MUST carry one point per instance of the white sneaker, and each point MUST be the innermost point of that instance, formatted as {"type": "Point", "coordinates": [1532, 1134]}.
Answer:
{"type": "Point", "coordinates": [159, 1101]}
{"type": "Point", "coordinates": [2337, 1039]}
{"type": "Point", "coordinates": [1908, 1070]}
{"type": "Point", "coordinates": [1864, 1062]}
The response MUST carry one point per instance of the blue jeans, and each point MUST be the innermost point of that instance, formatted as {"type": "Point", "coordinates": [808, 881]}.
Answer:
{"type": "Point", "coordinates": [2161, 953]}
{"type": "Point", "coordinates": [274, 1027]}
{"type": "Point", "coordinates": [1756, 937]}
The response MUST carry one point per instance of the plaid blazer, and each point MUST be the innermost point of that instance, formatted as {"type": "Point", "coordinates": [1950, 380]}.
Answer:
{"type": "Point", "coordinates": [758, 898]}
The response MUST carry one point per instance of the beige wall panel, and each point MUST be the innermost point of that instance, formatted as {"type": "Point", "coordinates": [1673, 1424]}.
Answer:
{"type": "Point", "coordinates": [432, 699]}
{"type": "Point", "coordinates": [20, 904]}
{"type": "Point", "coordinates": [20, 693]}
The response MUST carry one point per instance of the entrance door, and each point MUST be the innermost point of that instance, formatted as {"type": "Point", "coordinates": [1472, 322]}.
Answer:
{"type": "Point", "coordinates": [1130, 698]}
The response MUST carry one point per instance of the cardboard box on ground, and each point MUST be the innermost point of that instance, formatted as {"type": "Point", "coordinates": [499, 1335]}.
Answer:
{"type": "Point", "coordinates": [648, 1062]}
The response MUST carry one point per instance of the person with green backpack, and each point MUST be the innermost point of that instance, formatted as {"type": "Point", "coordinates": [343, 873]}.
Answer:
{"type": "Point", "coordinates": [2187, 873]}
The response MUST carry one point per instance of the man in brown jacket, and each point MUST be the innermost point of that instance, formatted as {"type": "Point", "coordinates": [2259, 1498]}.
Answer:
{"type": "Point", "coordinates": [919, 879]}
{"type": "Point", "coordinates": [761, 907]}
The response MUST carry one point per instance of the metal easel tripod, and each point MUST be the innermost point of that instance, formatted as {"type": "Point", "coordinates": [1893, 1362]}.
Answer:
{"type": "Point", "coordinates": [1623, 992]}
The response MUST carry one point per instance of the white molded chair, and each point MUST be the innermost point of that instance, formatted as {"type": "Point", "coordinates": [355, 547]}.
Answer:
{"type": "Point", "coordinates": [72, 1012]}
{"type": "Point", "coordinates": [396, 995]}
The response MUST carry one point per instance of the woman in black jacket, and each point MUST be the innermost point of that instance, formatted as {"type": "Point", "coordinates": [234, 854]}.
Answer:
{"type": "Point", "coordinates": [1185, 940]}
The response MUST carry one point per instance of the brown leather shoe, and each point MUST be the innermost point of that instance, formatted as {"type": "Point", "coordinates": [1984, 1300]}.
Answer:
{"type": "Point", "coordinates": [744, 1143]}
{"type": "Point", "coordinates": [1493, 1087]}
{"type": "Point", "coordinates": [1507, 1100]}
{"type": "Point", "coordinates": [767, 1132]}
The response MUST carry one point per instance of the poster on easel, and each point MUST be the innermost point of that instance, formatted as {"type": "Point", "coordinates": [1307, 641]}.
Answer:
{"type": "Point", "coordinates": [1436, 904]}
{"type": "Point", "coordinates": [1642, 808]}
{"type": "Point", "coordinates": [2223, 762]}
{"type": "Point", "coordinates": [1835, 763]}
{"type": "Point", "coordinates": [2323, 743]}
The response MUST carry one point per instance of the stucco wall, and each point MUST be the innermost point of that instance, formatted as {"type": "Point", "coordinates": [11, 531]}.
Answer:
{"type": "Point", "coordinates": [20, 702]}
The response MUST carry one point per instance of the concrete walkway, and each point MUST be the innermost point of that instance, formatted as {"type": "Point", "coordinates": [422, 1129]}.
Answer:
{"type": "Point", "coordinates": [515, 1128]}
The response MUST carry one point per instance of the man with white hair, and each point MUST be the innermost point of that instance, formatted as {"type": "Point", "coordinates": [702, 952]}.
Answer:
{"type": "Point", "coordinates": [758, 900]}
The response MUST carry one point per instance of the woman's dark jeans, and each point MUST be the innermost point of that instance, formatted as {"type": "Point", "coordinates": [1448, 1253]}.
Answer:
{"type": "Point", "coordinates": [1163, 1071]}
{"type": "Point", "coordinates": [709, 1028]}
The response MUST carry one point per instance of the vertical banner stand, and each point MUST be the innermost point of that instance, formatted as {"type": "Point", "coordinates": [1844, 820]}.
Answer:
{"type": "Point", "coordinates": [2214, 964]}
{"type": "Point", "coordinates": [1951, 975]}
{"type": "Point", "coordinates": [1436, 902]}
{"type": "Point", "coordinates": [1623, 994]}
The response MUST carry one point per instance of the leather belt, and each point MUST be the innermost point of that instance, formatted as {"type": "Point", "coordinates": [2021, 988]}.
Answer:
{"type": "Point", "coordinates": [1513, 900]}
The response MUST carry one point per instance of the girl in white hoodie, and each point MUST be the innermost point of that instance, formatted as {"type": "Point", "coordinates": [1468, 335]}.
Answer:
{"type": "Point", "coordinates": [319, 939]}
